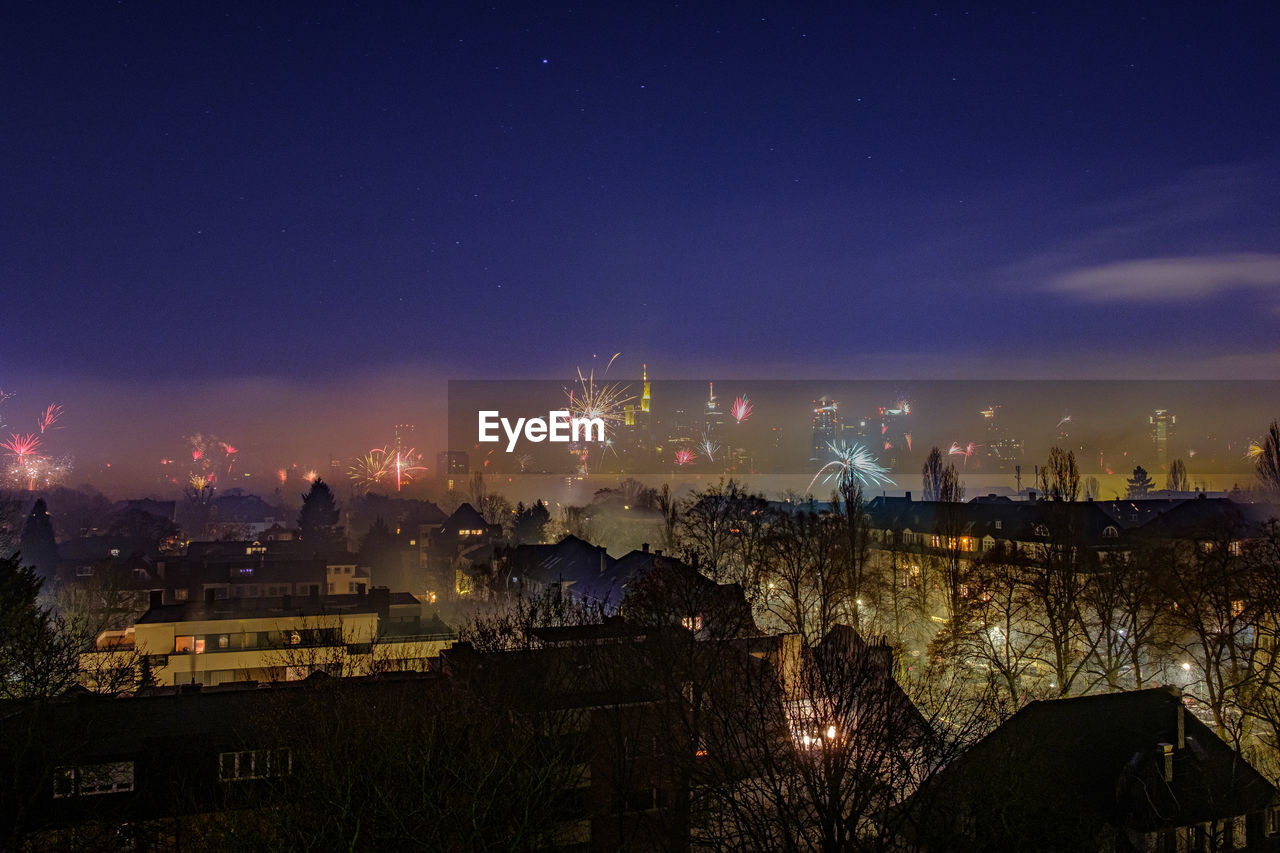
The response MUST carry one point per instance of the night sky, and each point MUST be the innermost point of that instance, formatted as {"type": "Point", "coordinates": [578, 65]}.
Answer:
{"type": "Point", "coordinates": [247, 217]}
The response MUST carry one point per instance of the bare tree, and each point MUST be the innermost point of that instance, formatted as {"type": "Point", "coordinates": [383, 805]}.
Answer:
{"type": "Point", "coordinates": [1059, 477]}
{"type": "Point", "coordinates": [932, 475]}
{"type": "Point", "coordinates": [1268, 459]}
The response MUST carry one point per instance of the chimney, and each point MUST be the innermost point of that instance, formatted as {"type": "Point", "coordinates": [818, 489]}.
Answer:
{"type": "Point", "coordinates": [380, 600]}
{"type": "Point", "coordinates": [908, 496]}
{"type": "Point", "coordinates": [1166, 753]}
{"type": "Point", "coordinates": [1031, 495]}
{"type": "Point", "coordinates": [644, 547]}
{"type": "Point", "coordinates": [1201, 496]}
{"type": "Point", "coordinates": [157, 598]}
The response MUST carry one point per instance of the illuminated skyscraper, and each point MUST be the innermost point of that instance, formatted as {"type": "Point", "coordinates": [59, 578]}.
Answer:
{"type": "Point", "coordinates": [712, 416]}
{"type": "Point", "coordinates": [1162, 429]}
{"type": "Point", "coordinates": [826, 428]}
{"type": "Point", "coordinates": [404, 437]}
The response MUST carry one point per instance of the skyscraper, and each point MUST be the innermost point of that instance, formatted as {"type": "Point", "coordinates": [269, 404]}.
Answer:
{"type": "Point", "coordinates": [826, 427]}
{"type": "Point", "coordinates": [1162, 429]}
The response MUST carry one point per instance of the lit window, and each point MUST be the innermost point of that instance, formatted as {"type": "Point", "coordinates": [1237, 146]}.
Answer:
{"type": "Point", "coordinates": [90, 779]}
{"type": "Point", "coordinates": [1237, 607]}
{"type": "Point", "coordinates": [1041, 530]}
{"type": "Point", "coordinates": [254, 764]}
{"type": "Point", "coordinates": [224, 641]}
{"type": "Point", "coordinates": [1110, 532]}
{"type": "Point", "coordinates": [692, 623]}
{"type": "Point", "coordinates": [189, 643]}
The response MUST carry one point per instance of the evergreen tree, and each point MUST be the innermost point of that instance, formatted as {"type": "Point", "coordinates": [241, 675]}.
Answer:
{"type": "Point", "coordinates": [531, 523]}
{"type": "Point", "coordinates": [35, 659]}
{"type": "Point", "coordinates": [38, 545]}
{"type": "Point", "coordinates": [1140, 484]}
{"type": "Point", "coordinates": [380, 551]}
{"type": "Point", "coordinates": [318, 519]}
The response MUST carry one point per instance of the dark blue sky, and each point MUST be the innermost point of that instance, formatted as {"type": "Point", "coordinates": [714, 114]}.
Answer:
{"type": "Point", "coordinates": [199, 195]}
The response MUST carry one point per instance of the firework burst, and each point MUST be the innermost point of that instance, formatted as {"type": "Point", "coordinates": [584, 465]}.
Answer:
{"type": "Point", "coordinates": [605, 400]}
{"type": "Point", "coordinates": [852, 462]}
{"type": "Point", "coordinates": [49, 417]}
{"type": "Point", "coordinates": [1254, 452]}
{"type": "Point", "coordinates": [741, 409]}
{"type": "Point", "coordinates": [684, 456]}
{"type": "Point", "coordinates": [383, 466]}
{"type": "Point", "coordinates": [29, 467]}
{"type": "Point", "coordinates": [708, 447]}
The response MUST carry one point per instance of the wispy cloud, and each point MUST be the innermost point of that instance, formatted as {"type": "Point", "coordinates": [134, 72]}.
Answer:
{"type": "Point", "coordinates": [1171, 278]}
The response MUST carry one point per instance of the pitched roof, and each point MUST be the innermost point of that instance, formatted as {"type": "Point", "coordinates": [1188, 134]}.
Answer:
{"type": "Point", "coordinates": [465, 517]}
{"type": "Point", "coordinates": [1100, 760]}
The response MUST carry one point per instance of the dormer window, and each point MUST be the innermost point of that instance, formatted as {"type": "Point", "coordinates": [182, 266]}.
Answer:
{"type": "Point", "coordinates": [1110, 532]}
{"type": "Point", "coordinates": [1041, 530]}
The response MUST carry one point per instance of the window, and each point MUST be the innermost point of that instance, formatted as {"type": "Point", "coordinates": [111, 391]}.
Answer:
{"type": "Point", "coordinates": [936, 541]}
{"type": "Point", "coordinates": [224, 641]}
{"type": "Point", "coordinates": [88, 780]}
{"type": "Point", "coordinates": [1110, 532]}
{"type": "Point", "coordinates": [1233, 548]}
{"type": "Point", "coordinates": [1041, 530]}
{"type": "Point", "coordinates": [331, 587]}
{"type": "Point", "coordinates": [1273, 820]}
{"type": "Point", "coordinates": [999, 524]}
{"type": "Point", "coordinates": [189, 643]}
{"type": "Point", "coordinates": [254, 764]}
{"type": "Point", "coordinates": [84, 571]}
{"type": "Point", "coordinates": [692, 623]}
{"type": "Point", "coordinates": [179, 595]}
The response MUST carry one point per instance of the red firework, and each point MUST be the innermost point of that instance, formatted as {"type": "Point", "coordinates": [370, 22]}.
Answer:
{"type": "Point", "coordinates": [684, 457]}
{"type": "Point", "coordinates": [741, 409]}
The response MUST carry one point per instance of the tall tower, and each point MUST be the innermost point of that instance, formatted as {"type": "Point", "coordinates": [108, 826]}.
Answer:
{"type": "Point", "coordinates": [1162, 423]}
{"type": "Point", "coordinates": [712, 417]}
{"type": "Point", "coordinates": [826, 425]}
{"type": "Point", "coordinates": [644, 398]}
